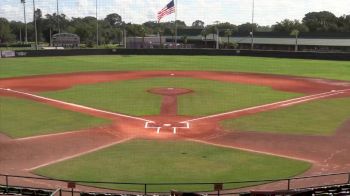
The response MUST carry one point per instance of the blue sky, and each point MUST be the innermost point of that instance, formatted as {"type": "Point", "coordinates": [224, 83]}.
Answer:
{"type": "Point", "coordinates": [267, 12]}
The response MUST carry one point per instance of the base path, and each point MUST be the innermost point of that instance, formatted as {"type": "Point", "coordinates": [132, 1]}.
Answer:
{"type": "Point", "coordinates": [327, 153]}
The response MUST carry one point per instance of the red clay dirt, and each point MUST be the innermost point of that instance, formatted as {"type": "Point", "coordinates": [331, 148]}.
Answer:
{"type": "Point", "coordinates": [327, 153]}
{"type": "Point", "coordinates": [169, 102]}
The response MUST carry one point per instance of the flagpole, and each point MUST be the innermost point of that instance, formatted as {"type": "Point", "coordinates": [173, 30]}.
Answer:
{"type": "Point", "coordinates": [175, 23]}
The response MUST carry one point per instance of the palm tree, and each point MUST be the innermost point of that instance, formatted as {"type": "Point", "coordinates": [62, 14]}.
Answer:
{"type": "Point", "coordinates": [228, 33]}
{"type": "Point", "coordinates": [160, 31]}
{"type": "Point", "coordinates": [205, 33]}
{"type": "Point", "coordinates": [143, 34]}
{"type": "Point", "coordinates": [295, 33]}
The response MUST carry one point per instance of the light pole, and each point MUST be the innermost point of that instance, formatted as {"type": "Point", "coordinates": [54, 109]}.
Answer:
{"type": "Point", "coordinates": [96, 26]}
{"type": "Point", "coordinates": [35, 27]}
{"type": "Point", "coordinates": [252, 32]}
{"type": "Point", "coordinates": [58, 19]}
{"type": "Point", "coordinates": [25, 21]}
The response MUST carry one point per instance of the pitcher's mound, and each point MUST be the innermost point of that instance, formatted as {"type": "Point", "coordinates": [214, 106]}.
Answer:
{"type": "Point", "coordinates": [170, 91]}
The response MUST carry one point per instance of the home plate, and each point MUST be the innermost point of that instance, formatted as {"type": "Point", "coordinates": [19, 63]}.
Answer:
{"type": "Point", "coordinates": [172, 74]}
{"type": "Point", "coordinates": [167, 125]}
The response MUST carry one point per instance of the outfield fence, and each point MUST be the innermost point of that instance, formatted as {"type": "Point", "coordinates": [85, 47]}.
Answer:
{"type": "Point", "coordinates": [59, 186]}
{"type": "Point", "coordinates": [208, 52]}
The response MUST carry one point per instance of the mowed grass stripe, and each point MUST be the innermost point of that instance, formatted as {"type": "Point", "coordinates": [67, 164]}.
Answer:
{"type": "Point", "coordinates": [146, 161]}
{"type": "Point", "coordinates": [23, 118]}
{"type": "Point", "coordinates": [131, 96]}
{"type": "Point", "coordinates": [320, 117]}
{"type": "Point", "coordinates": [339, 70]}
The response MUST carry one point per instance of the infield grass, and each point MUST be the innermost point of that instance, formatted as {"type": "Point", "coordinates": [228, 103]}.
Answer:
{"type": "Point", "coordinates": [320, 117]}
{"type": "Point", "coordinates": [131, 96]}
{"type": "Point", "coordinates": [23, 118]}
{"type": "Point", "coordinates": [146, 161]}
{"type": "Point", "coordinates": [15, 67]}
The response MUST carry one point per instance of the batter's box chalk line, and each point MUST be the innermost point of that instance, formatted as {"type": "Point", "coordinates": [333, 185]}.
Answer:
{"type": "Point", "coordinates": [158, 127]}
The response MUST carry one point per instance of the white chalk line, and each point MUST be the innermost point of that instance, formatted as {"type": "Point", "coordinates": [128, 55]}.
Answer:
{"type": "Point", "coordinates": [279, 104]}
{"type": "Point", "coordinates": [174, 128]}
{"type": "Point", "coordinates": [252, 151]}
{"type": "Point", "coordinates": [50, 135]}
{"type": "Point", "coordinates": [309, 99]}
{"type": "Point", "coordinates": [75, 105]}
{"type": "Point", "coordinates": [78, 155]}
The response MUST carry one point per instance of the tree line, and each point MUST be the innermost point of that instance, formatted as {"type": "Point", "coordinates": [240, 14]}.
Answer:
{"type": "Point", "coordinates": [112, 27]}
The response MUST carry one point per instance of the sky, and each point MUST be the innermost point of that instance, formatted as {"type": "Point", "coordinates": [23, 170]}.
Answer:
{"type": "Point", "coordinates": [267, 12]}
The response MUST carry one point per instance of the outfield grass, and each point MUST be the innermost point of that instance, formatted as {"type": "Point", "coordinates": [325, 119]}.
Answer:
{"type": "Point", "coordinates": [321, 117]}
{"type": "Point", "coordinates": [146, 161]}
{"type": "Point", "coordinates": [131, 96]}
{"type": "Point", "coordinates": [23, 118]}
{"type": "Point", "coordinates": [339, 70]}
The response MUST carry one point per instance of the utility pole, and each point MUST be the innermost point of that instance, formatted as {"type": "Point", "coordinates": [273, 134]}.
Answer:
{"type": "Point", "coordinates": [97, 34]}
{"type": "Point", "coordinates": [252, 32]}
{"type": "Point", "coordinates": [58, 18]}
{"type": "Point", "coordinates": [35, 27]}
{"type": "Point", "coordinates": [25, 21]}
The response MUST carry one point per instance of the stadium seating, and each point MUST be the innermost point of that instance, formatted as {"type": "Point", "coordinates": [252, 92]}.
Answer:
{"type": "Point", "coordinates": [336, 190]}
{"type": "Point", "coordinates": [24, 191]}
{"type": "Point", "coordinates": [103, 194]}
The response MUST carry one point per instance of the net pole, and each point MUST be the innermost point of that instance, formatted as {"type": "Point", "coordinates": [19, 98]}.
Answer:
{"type": "Point", "coordinates": [175, 23]}
{"type": "Point", "coordinates": [97, 33]}
{"type": "Point", "coordinates": [58, 18]}
{"type": "Point", "coordinates": [35, 27]}
{"type": "Point", "coordinates": [252, 32]}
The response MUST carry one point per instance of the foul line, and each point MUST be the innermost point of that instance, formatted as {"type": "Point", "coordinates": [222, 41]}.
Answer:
{"type": "Point", "coordinates": [252, 151]}
{"type": "Point", "coordinates": [50, 135]}
{"type": "Point", "coordinates": [75, 105]}
{"type": "Point", "coordinates": [279, 104]}
{"type": "Point", "coordinates": [77, 155]}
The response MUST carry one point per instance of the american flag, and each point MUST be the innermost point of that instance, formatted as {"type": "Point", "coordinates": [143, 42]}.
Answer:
{"type": "Point", "coordinates": [167, 10]}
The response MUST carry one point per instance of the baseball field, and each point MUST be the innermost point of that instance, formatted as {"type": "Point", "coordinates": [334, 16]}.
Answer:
{"type": "Point", "coordinates": [173, 119]}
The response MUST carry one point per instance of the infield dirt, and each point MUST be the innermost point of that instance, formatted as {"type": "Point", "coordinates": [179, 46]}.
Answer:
{"type": "Point", "coordinates": [327, 153]}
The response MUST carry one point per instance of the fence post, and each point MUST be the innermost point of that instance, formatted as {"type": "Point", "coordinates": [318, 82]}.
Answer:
{"type": "Point", "coordinates": [145, 189]}
{"type": "Point", "coordinates": [288, 184]}
{"type": "Point", "coordinates": [7, 182]}
{"type": "Point", "coordinates": [60, 192]}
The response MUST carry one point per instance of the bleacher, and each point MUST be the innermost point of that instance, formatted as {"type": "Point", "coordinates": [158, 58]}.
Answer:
{"type": "Point", "coordinates": [24, 191]}
{"type": "Point", "coordinates": [336, 190]}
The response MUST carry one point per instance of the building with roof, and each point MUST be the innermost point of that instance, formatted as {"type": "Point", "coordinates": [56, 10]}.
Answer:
{"type": "Point", "coordinates": [334, 44]}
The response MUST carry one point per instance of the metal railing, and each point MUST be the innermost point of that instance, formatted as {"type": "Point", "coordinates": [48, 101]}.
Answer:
{"type": "Point", "coordinates": [239, 186]}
